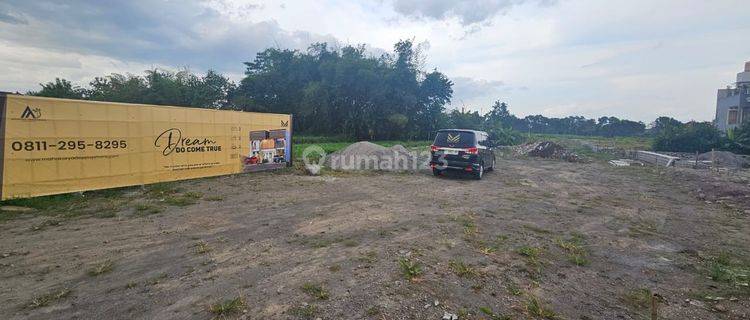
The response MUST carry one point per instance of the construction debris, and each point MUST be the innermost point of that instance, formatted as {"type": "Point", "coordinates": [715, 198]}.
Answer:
{"type": "Point", "coordinates": [656, 158]}
{"type": "Point", "coordinates": [547, 149]}
{"type": "Point", "coordinates": [723, 159]}
{"type": "Point", "coordinates": [625, 163]}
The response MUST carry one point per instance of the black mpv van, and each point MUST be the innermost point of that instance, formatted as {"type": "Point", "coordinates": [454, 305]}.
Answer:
{"type": "Point", "coordinates": [461, 149]}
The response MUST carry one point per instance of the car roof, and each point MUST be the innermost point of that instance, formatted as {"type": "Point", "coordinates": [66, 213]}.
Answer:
{"type": "Point", "coordinates": [464, 130]}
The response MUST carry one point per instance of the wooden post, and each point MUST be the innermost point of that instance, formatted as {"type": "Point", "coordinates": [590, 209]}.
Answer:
{"type": "Point", "coordinates": [654, 303]}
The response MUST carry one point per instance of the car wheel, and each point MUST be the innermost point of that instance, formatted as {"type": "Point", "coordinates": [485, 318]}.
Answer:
{"type": "Point", "coordinates": [480, 172]}
{"type": "Point", "coordinates": [492, 167]}
{"type": "Point", "coordinates": [436, 172]}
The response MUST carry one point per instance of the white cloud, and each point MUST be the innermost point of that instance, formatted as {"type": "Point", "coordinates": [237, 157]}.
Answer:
{"type": "Point", "coordinates": [23, 68]}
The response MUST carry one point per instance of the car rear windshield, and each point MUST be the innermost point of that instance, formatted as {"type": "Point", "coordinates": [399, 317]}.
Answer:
{"type": "Point", "coordinates": [454, 139]}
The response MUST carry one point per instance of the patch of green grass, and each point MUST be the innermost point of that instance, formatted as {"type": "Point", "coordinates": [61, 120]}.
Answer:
{"type": "Point", "coordinates": [44, 202]}
{"type": "Point", "coordinates": [228, 307]}
{"type": "Point", "coordinates": [147, 208]}
{"type": "Point", "coordinates": [722, 268]}
{"type": "Point", "coordinates": [410, 269]}
{"type": "Point", "coordinates": [487, 250]}
{"type": "Point", "coordinates": [131, 285]}
{"type": "Point", "coordinates": [577, 253]}
{"type": "Point", "coordinates": [335, 268]}
{"type": "Point", "coordinates": [529, 251]}
{"type": "Point", "coordinates": [182, 200]}
{"type": "Point", "coordinates": [467, 222]}
{"type": "Point", "coordinates": [316, 291]}
{"type": "Point", "coordinates": [638, 298]}
{"type": "Point", "coordinates": [160, 189]}
{"type": "Point", "coordinates": [102, 268]}
{"type": "Point", "coordinates": [194, 195]}
{"type": "Point", "coordinates": [305, 312]}
{"type": "Point", "coordinates": [534, 266]}
{"type": "Point", "coordinates": [47, 298]}
{"type": "Point", "coordinates": [535, 307]}
{"type": "Point", "coordinates": [462, 269]}
{"type": "Point", "coordinates": [513, 288]}
{"type": "Point", "coordinates": [214, 198]}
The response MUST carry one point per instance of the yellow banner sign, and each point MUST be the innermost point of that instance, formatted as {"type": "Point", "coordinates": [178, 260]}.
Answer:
{"type": "Point", "coordinates": [55, 146]}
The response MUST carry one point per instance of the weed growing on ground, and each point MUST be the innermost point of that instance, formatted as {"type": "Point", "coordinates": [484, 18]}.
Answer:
{"type": "Point", "coordinates": [575, 250]}
{"type": "Point", "coordinates": [639, 298]}
{"type": "Point", "coordinates": [368, 257]}
{"type": "Point", "coordinates": [467, 222]}
{"type": "Point", "coordinates": [532, 260]}
{"type": "Point", "coordinates": [513, 288]}
{"type": "Point", "coordinates": [535, 308]}
{"type": "Point", "coordinates": [161, 189]}
{"type": "Point", "coordinates": [102, 268]}
{"type": "Point", "coordinates": [722, 268]}
{"type": "Point", "coordinates": [46, 299]}
{"type": "Point", "coordinates": [146, 208]}
{"type": "Point", "coordinates": [228, 307]}
{"type": "Point", "coordinates": [304, 312]}
{"type": "Point", "coordinates": [201, 247]}
{"type": "Point", "coordinates": [315, 290]}
{"type": "Point", "coordinates": [462, 269]}
{"type": "Point", "coordinates": [410, 269]}
{"type": "Point", "coordinates": [487, 311]}
{"type": "Point", "coordinates": [107, 209]}
{"type": "Point", "coordinates": [186, 199]}
{"type": "Point", "coordinates": [530, 252]}
{"type": "Point", "coordinates": [462, 313]}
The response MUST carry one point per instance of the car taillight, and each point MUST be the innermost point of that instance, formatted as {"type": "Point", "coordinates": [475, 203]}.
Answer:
{"type": "Point", "coordinates": [472, 150]}
{"type": "Point", "coordinates": [434, 148]}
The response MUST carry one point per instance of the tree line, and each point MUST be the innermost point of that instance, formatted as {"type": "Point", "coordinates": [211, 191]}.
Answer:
{"type": "Point", "coordinates": [672, 135]}
{"type": "Point", "coordinates": [348, 93]}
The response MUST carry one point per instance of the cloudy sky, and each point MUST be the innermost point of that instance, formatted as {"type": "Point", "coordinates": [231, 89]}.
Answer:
{"type": "Point", "coordinates": [636, 59]}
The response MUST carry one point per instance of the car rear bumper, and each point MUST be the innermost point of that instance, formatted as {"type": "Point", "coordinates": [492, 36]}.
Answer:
{"type": "Point", "coordinates": [454, 165]}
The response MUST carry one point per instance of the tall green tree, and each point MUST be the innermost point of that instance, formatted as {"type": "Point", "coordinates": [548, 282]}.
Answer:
{"type": "Point", "coordinates": [346, 92]}
{"type": "Point", "coordinates": [61, 88]}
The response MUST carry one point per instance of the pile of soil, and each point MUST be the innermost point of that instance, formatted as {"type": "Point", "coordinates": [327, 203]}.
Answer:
{"type": "Point", "coordinates": [369, 156]}
{"type": "Point", "coordinates": [724, 159]}
{"type": "Point", "coordinates": [548, 149]}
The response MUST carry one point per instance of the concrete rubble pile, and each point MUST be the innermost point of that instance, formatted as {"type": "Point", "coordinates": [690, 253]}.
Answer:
{"type": "Point", "coordinates": [723, 159]}
{"type": "Point", "coordinates": [369, 156]}
{"type": "Point", "coordinates": [547, 149]}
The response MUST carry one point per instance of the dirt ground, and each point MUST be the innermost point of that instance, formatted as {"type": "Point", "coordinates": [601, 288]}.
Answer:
{"type": "Point", "coordinates": [533, 239]}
